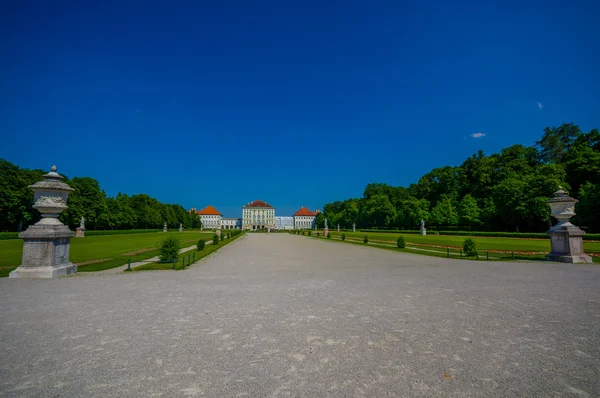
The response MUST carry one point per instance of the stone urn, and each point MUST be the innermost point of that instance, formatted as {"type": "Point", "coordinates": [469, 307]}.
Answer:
{"type": "Point", "coordinates": [47, 243]}
{"type": "Point", "coordinates": [566, 239]}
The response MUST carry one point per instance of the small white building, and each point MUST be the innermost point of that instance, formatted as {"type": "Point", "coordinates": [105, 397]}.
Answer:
{"type": "Point", "coordinates": [231, 223]}
{"type": "Point", "coordinates": [304, 219]}
{"type": "Point", "coordinates": [284, 222]}
{"type": "Point", "coordinates": [210, 217]}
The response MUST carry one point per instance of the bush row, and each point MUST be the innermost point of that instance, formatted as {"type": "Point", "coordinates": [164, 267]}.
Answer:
{"type": "Point", "coordinates": [533, 235]}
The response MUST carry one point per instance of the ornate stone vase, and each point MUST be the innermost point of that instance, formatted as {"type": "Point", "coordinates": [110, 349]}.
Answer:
{"type": "Point", "coordinates": [566, 239]}
{"type": "Point", "coordinates": [47, 243]}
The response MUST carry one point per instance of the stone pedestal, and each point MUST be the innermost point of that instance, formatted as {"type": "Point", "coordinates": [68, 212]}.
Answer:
{"type": "Point", "coordinates": [180, 227]}
{"type": "Point", "coordinates": [566, 239]}
{"type": "Point", "coordinates": [567, 245]}
{"type": "Point", "coordinates": [353, 227]}
{"type": "Point", "coordinates": [45, 252]}
{"type": "Point", "coordinates": [46, 244]}
{"type": "Point", "coordinates": [80, 233]}
{"type": "Point", "coordinates": [338, 227]}
{"type": "Point", "coordinates": [326, 232]}
{"type": "Point", "coordinates": [424, 231]}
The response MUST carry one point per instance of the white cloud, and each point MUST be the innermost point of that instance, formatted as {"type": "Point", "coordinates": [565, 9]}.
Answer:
{"type": "Point", "coordinates": [539, 105]}
{"type": "Point", "coordinates": [477, 135]}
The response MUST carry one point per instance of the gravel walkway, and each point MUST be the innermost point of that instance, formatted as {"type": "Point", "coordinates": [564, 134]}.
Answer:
{"type": "Point", "coordinates": [275, 315]}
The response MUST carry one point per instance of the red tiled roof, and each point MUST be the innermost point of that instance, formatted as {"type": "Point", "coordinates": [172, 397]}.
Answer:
{"type": "Point", "coordinates": [209, 211]}
{"type": "Point", "coordinates": [304, 212]}
{"type": "Point", "coordinates": [258, 203]}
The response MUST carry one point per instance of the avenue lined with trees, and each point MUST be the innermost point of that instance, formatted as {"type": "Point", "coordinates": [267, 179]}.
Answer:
{"type": "Point", "coordinates": [506, 191]}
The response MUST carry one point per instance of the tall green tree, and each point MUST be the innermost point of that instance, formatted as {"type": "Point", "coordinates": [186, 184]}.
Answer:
{"type": "Point", "coordinates": [469, 211]}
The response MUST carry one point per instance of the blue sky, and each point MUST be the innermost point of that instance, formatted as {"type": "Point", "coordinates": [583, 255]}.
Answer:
{"type": "Point", "coordinates": [294, 103]}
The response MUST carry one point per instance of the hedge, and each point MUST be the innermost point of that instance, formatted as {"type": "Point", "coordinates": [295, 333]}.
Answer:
{"type": "Point", "coordinates": [534, 235]}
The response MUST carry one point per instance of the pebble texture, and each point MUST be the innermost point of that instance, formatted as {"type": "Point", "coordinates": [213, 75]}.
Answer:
{"type": "Point", "coordinates": [276, 315]}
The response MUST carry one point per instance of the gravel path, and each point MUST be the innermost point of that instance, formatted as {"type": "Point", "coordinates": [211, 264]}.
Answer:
{"type": "Point", "coordinates": [274, 315]}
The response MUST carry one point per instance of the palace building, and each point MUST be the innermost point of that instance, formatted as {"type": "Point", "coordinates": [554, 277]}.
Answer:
{"type": "Point", "coordinates": [304, 219]}
{"type": "Point", "coordinates": [257, 215]}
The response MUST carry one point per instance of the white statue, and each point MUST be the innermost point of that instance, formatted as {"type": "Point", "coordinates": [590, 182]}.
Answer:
{"type": "Point", "coordinates": [326, 223]}
{"type": "Point", "coordinates": [82, 223]}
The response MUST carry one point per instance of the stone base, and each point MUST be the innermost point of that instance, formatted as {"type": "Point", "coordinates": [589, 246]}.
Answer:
{"type": "Point", "coordinates": [80, 233]}
{"type": "Point", "coordinates": [326, 232]}
{"type": "Point", "coordinates": [567, 245]}
{"type": "Point", "coordinates": [424, 232]}
{"type": "Point", "coordinates": [44, 272]}
{"type": "Point", "coordinates": [577, 259]}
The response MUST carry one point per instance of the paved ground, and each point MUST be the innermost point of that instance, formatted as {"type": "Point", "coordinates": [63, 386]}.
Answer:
{"type": "Point", "coordinates": [282, 315]}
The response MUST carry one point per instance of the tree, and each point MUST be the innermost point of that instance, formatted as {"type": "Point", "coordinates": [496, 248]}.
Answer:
{"type": "Point", "coordinates": [444, 213]}
{"type": "Point", "coordinates": [378, 211]}
{"type": "Point", "coordinates": [469, 211]}
{"type": "Point", "coordinates": [556, 142]}
{"type": "Point", "coordinates": [87, 200]}
{"type": "Point", "coordinates": [588, 207]}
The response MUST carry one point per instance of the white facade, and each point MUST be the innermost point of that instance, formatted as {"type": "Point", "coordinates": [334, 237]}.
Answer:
{"type": "Point", "coordinates": [304, 222]}
{"type": "Point", "coordinates": [258, 215]}
{"type": "Point", "coordinates": [231, 223]}
{"type": "Point", "coordinates": [210, 221]}
{"type": "Point", "coordinates": [284, 222]}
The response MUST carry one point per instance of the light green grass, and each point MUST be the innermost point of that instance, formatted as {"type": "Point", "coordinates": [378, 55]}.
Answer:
{"type": "Point", "coordinates": [388, 241]}
{"type": "Point", "coordinates": [483, 243]}
{"type": "Point", "coordinates": [114, 249]}
{"type": "Point", "coordinates": [196, 254]}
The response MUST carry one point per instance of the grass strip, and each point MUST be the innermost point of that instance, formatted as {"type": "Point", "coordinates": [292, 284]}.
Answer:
{"type": "Point", "coordinates": [199, 254]}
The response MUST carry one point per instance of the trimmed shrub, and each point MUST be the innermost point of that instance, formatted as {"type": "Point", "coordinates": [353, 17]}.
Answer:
{"type": "Point", "coordinates": [470, 247]}
{"type": "Point", "coordinates": [329, 235]}
{"type": "Point", "coordinates": [222, 237]}
{"type": "Point", "coordinates": [366, 239]}
{"type": "Point", "coordinates": [215, 239]}
{"type": "Point", "coordinates": [169, 249]}
{"type": "Point", "coordinates": [343, 236]}
{"type": "Point", "coordinates": [401, 242]}
{"type": "Point", "coordinates": [303, 232]}
{"type": "Point", "coordinates": [309, 233]}
{"type": "Point", "coordinates": [200, 245]}
{"type": "Point", "coordinates": [436, 233]}
{"type": "Point", "coordinates": [318, 235]}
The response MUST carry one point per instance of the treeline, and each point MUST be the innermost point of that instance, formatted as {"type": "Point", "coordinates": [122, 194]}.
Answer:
{"type": "Point", "coordinates": [87, 200]}
{"type": "Point", "coordinates": [506, 191]}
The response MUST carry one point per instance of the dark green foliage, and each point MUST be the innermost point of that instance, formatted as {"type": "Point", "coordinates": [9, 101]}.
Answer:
{"type": "Point", "coordinates": [343, 236]}
{"type": "Point", "coordinates": [9, 235]}
{"type": "Point", "coordinates": [222, 236]}
{"type": "Point", "coordinates": [318, 234]}
{"type": "Point", "coordinates": [401, 242]}
{"type": "Point", "coordinates": [215, 239]}
{"type": "Point", "coordinates": [309, 233]}
{"type": "Point", "coordinates": [303, 232]}
{"type": "Point", "coordinates": [470, 247]}
{"type": "Point", "coordinates": [505, 191]}
{"type": "Point", "coordinates": [169, 249]}
{"type": "Point", "coordinates": [366, 239]}
{"type": "Point", "coordinates": [200, 245]}
{"type": "Point", "coordinates": [329, 235]}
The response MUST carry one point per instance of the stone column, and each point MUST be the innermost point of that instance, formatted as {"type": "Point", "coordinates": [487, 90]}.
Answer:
{"type": "Point", "coordinates": [47, 244]}
{"type": "Point", "coordinates": [566, 239]}
{"type": "Point", "coordinates": [353, 227]}
{"type": "Point", "coordinates": [180, 227]}
{"type": "Point", "coordinates": [165, 227]}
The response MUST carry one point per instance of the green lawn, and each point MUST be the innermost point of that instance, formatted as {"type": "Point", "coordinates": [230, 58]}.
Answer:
{"type": "Point", "coordinates": [196, 255]}
{"type": "Point", "coordinates": [483, 243]}
{"type": "Point", "coordinates": [113, 249]}
{"type": "Point", "coordinates": [417, 244]}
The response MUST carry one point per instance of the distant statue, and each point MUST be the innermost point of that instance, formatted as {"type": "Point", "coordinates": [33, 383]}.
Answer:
{"type": "Point", "coordinates": [422, 224]}
{"type": "Point", "coordinates": [325, 223]}
{"type": "Point", "coordinates": [82, 223]}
